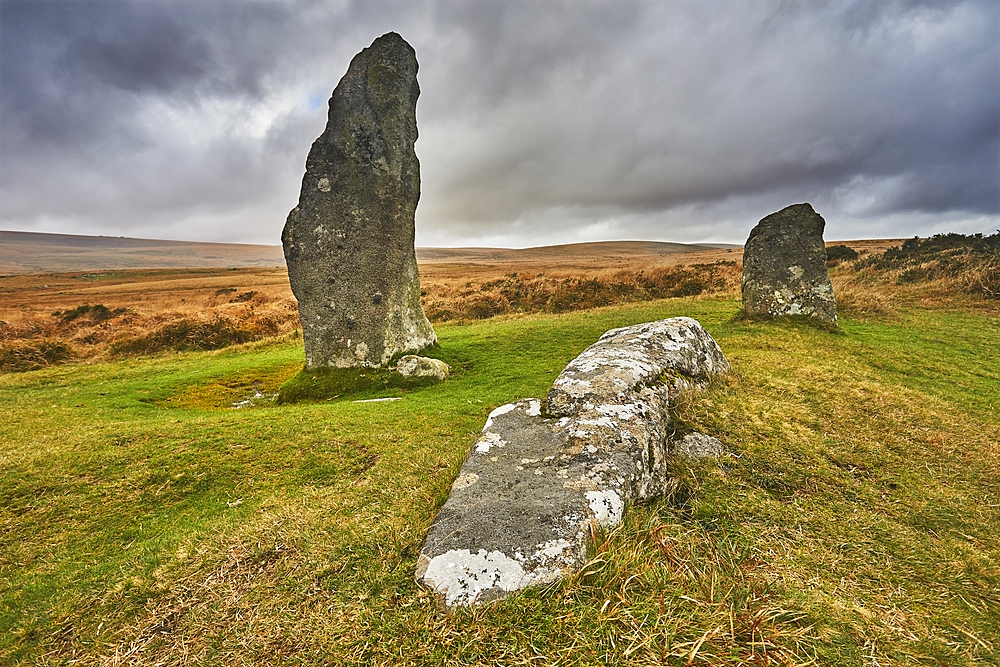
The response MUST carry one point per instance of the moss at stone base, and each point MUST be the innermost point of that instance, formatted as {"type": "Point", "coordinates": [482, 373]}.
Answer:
{"type": "Point", "coordinates": [321, 384]}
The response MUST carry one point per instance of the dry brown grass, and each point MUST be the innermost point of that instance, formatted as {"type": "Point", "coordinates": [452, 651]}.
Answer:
{"type": "Point", "coordinates": [44, 318]}
{"type": "Point", "coordinates": [47, 319]}
{"type": "Point", "coordinates": [870, 296]}
{"type": "Point", "coordinates": [543, 293]}
{"type": "Point", "coordinates": [933, 272]}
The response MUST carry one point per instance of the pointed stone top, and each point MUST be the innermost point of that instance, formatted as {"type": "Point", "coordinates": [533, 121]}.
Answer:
{"type": "Point", "coordinates": [795, 217]}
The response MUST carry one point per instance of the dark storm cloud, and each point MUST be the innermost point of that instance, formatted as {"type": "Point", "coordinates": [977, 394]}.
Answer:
{"type": "Point", "coordinates": [73, 71]}
{"type": "Point", "coordinates": [713, 103]}
{"type": "Point", "coordinates": [539, 121]}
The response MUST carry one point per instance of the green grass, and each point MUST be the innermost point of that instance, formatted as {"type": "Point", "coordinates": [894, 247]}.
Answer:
{"type": "Point", "coordinates": [855, 521]}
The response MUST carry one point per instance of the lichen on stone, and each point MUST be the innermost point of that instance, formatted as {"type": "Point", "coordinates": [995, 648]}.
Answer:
{"type": "Point", "coordinates": [540, 478]}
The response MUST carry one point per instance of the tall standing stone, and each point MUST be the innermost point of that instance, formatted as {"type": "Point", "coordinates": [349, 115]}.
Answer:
{"type": "Point", "coordinates": [349, 242]}
{"type": "Point", "coordinates": [784, 267]}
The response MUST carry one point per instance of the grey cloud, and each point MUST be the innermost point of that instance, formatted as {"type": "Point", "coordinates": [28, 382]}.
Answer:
{"type": "Point", "coordinates": [683, 120]}
{"type": "Point", "coordinates": [76, 71]}
{"type": "Point", "coordinates": [796, 99]}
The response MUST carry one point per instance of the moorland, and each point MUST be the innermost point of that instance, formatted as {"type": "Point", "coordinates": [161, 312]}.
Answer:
{"type": "Point", "coordinates": [158, 507]}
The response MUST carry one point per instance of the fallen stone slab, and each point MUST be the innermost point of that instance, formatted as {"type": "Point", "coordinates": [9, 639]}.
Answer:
{"type": "Point", "coordinates": [623, 359]}
{"type": "Point", "coordinates": [541, 478]}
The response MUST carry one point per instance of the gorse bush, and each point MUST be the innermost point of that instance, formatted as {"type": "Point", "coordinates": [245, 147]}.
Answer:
{"type": "Point", "coordinates": [188, 334]}
{"type": "Point", "coordinates": [28, 356]}
{"type": "Point", "coordinates": [836, 254]}
{"type": "Point", "coordinates": [969, 262]}
{"type": "Point", "coordinates": [98, 313]}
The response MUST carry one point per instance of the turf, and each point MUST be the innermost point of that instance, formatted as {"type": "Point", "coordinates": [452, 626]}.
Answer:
{"type": "Point", "coordinates": [855, 519]}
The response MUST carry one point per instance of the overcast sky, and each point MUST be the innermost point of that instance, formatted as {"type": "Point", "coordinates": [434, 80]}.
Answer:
{"type": "Point", "coordinates": [540, 122]}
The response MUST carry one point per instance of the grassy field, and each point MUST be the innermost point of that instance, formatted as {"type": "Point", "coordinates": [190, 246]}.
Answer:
{"type": "Point", "coordinates": [855, 521]}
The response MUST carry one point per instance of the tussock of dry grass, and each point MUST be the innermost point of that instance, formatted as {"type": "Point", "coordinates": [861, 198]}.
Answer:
{"type": "Point", "coordinates": [544, 293]}
{"type": "Point", "coordinates": [862, 302]}
{"type": "Point", "coordinates": [202, 310]}
{"type": "Point", "coordinates": [31, 339]}
{"type": "Point", "coordinates": [695, 578]}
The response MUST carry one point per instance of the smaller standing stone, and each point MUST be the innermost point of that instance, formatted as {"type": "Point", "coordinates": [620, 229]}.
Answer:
{"type": "Point", "coordinates": [784, 267]}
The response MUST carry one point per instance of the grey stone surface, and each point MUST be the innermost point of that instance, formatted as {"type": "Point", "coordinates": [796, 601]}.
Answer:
{"type": "Point", "coordinates": [422, 367]}
{"type": "Point", "coordinates": [349, 242]}
{"type": "Point", "coordinates": [534, 484]}
{"type": "Point", "coordinates": [623, 359]}
{"type": "Point", "coordinates": [697, 446]}
{"type": "Point", "coordinates": [784, 267]}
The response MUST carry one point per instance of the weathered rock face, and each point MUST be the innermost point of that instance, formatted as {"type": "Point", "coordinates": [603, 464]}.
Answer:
{"type": "Point", "coordinates": [533, 485]}
{"type": "Point", "coordinates": [622, 359]}
{"type": "Point", "coordinates": [349, 242]}
{"type": "Point", "coordinates": [422, 367]}
{"type": "Point", "coordinates": [784, 267]}
{"type": "Point", "coordinates": [697, 446]}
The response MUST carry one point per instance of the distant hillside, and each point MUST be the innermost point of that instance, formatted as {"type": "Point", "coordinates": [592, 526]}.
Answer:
{"type": "Point", "coordinates": [30, 252]}
{"type": "Point", "coordinates": [561, 253]}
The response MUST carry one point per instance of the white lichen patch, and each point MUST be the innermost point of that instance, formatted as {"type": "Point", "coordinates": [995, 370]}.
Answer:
{"type": "Point", "coordinates": [624, 412]}
{"type": "Point", "coordinates": [607, 507]}
{"type": "Point", "coordinates": [534, 408]}
{"type": "Point", "coordinates": [502, 410]}
{"type": "Point", "coordinates": [573, 387]}
{"type": "Point", "coordinates": [488, 441]}
{"type": "Point", "coordinates": [464, 481]}
{"type": "Point", "coordinates": [461, 576]}
{"type": "Point", "coordinates": [555, 550]}
{"type": "Point", "coordinates": [600, 421]}
{"type": "Point", "coordinates": [632, 362]}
